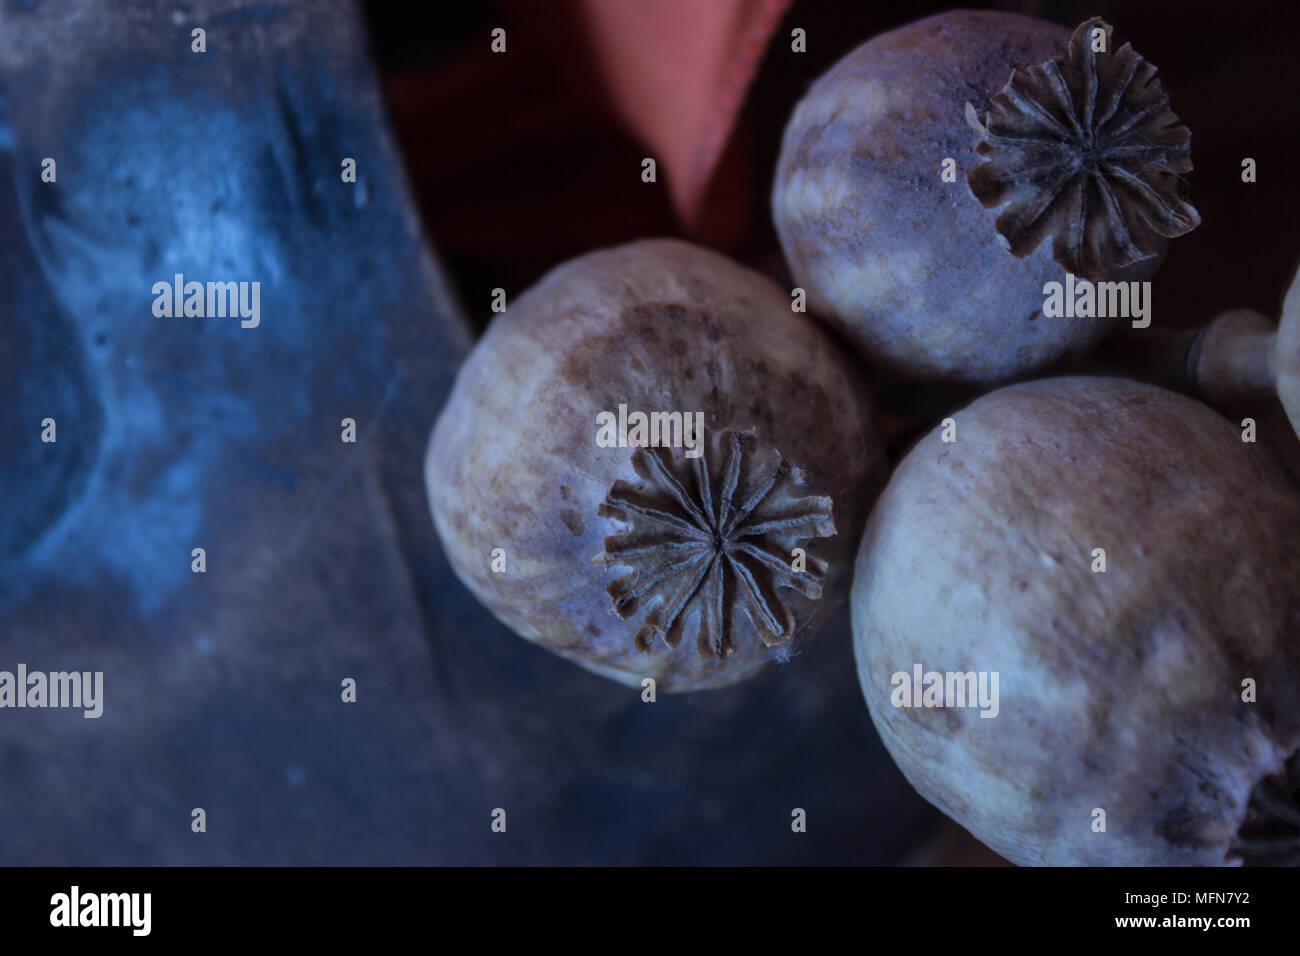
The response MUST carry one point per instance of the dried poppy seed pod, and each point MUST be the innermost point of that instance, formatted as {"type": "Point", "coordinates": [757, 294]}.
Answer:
{"type": "Point", "coordinates": [691, 565]}
{"type": "Point", "coordinates": [1075, 152]}
{"type": "Point", "coordinates": [1120, 671]}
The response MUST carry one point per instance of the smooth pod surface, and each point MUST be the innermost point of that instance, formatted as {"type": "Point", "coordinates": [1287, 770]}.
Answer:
{"type": "Point", "coordinates": [690, 566]}
{"type": "Point", "coordinates": [1124, 564]}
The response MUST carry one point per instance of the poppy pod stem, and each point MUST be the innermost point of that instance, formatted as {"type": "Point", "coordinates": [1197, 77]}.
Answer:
{"type": "Point", "coordinates": [1236, 360]}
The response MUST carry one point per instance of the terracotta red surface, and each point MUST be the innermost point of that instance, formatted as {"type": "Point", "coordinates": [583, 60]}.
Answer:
{"type": "Point", "coordinates": [525, 158]}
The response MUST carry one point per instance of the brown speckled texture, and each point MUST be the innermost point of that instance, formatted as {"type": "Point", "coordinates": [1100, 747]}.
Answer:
{"type": "Point", "coordinates": [658, 325]}
{"type": "Point", "coordinates": [908, 266]}
{"type": "Point", "coordinates": [1119, 690]}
